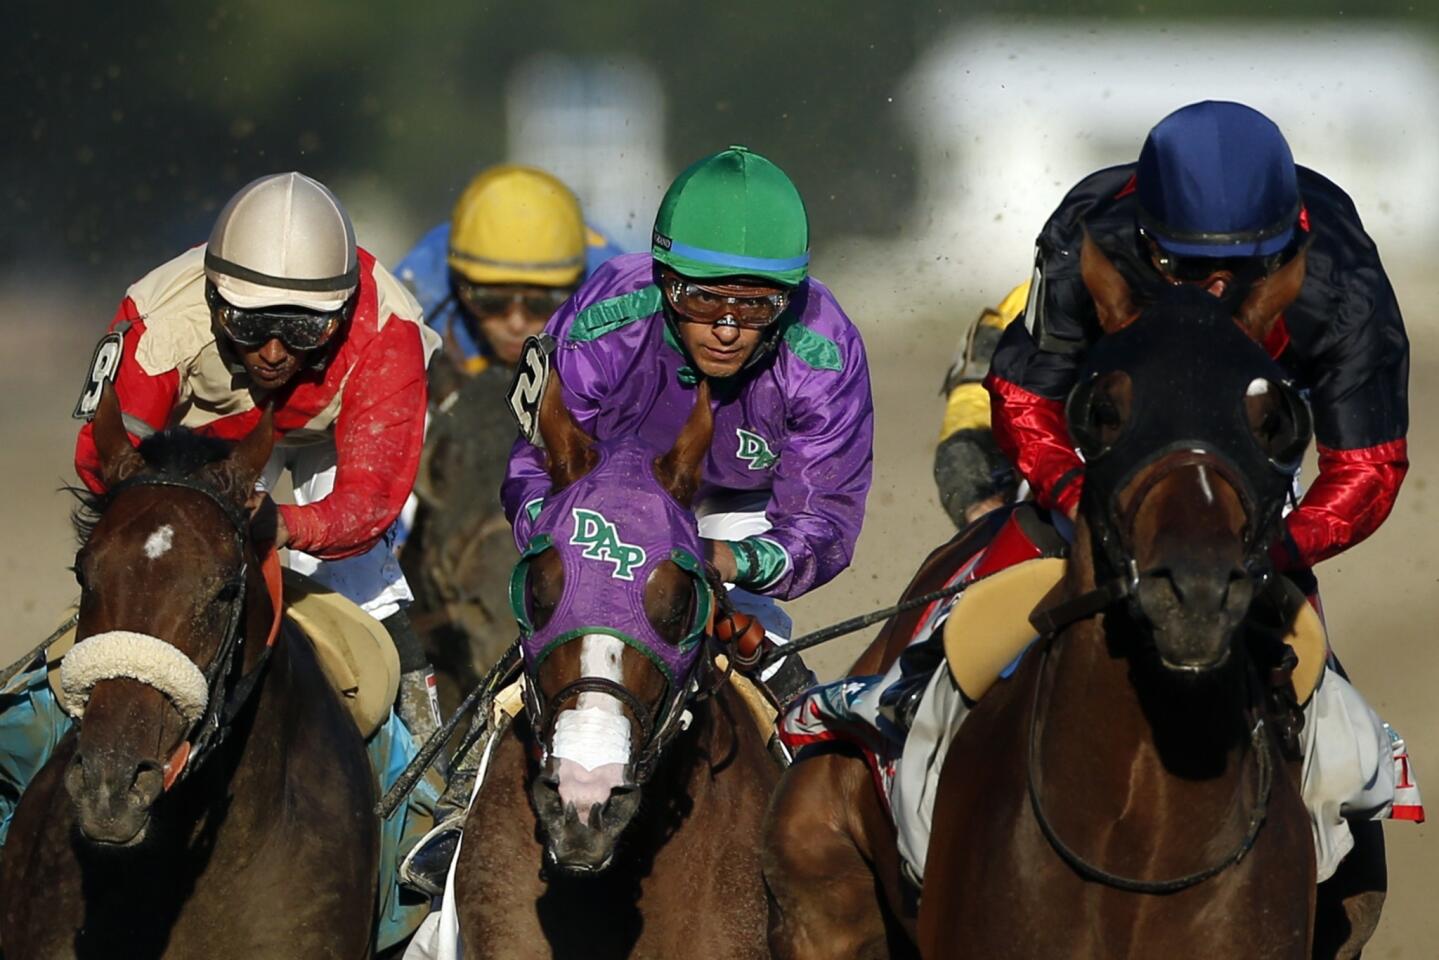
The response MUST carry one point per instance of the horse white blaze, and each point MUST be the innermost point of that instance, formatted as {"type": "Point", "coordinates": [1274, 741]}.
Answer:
{"type": "Point", "coordinates": [1204, 484]}
{"type": "Point", "coordinates": [592, 738]}
{"type": "Point", "coordinates": [158, 543]}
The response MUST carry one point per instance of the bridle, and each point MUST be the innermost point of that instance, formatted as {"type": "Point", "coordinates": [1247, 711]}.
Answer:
{"type": "Point", "coordinates": [1051, 621]}
{"type": "Point", "coordinates": [658, 726]}
{"type": "Point", "coordinates": [207, 732]}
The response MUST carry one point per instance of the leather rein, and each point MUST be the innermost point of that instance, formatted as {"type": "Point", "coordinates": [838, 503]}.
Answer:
{"type": "Point", "coordinates": [221, 708]}
{"type": "Point", "coordinates": [1049, 622]}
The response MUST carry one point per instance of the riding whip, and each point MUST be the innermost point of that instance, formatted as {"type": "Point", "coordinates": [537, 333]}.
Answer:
{"type": "Point", "coordinates": [484, 695]}
{"type": "Point", "coordinates": [44, 645]}
{"type": "Point", "coordinates": [856, 623]}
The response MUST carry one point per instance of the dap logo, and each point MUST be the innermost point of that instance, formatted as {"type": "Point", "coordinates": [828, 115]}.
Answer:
{"type": "Point", "coordinates": [754, 450]}
{"type": "Point", "coordinates": [601, 541]}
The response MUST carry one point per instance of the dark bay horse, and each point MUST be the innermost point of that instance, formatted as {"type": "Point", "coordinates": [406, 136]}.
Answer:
{"type": "Point", "coordinates": [621, 814]}
{"type": "Point", "coordinates": [1124, 793]}
{"type": "Point", "coordinates": [215, 799]}
{"type": "Point", "coordinates": [459, 552]}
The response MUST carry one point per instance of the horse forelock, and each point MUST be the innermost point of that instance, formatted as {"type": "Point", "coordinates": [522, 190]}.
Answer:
{"type": "Point", "coordinates": [176, 453]}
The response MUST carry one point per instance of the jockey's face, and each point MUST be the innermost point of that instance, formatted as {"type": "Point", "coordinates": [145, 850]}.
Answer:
{"type": "Point", "coordinates": [506, 314]}
{"type": "Point", "coordinates": [271, 365]}
{"type": "Point", "coordinates": [722, 341]}
{"type": "Point", "coordinates": [1222, 277]}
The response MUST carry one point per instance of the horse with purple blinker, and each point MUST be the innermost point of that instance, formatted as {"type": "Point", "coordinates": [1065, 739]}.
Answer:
{"type": "Point", "coordinates": [620, 814]}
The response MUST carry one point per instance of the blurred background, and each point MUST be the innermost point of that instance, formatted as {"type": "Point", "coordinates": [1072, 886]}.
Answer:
{"type": "Point", "coordinates": [930, 141]}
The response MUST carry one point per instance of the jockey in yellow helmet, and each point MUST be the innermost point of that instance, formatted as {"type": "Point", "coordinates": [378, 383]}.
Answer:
{"type": "Point", "coordinates": [514, 249]}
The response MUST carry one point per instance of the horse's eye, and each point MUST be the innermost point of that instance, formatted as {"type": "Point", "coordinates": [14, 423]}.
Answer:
{"type": "Point", "coordinates": [228, 592]}
{"type": "Point", "coordinates": [79, 572]}
{"type": "Point", "coordinates": [1279, 421]}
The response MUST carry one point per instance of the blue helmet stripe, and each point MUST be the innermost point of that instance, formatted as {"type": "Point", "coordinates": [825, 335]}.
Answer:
{"type": "Point", "coordinates": [719, 259]}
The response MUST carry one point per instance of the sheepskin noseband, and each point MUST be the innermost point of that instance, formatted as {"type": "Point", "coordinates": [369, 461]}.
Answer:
{"type": "Point", "coordinates": [138, 656]}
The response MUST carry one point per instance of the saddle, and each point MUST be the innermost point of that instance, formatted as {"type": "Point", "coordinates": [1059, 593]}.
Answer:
{"type": "Point", "coordinates": [989, 627]}
{"type": "Point", "coordinates": [355, 652]}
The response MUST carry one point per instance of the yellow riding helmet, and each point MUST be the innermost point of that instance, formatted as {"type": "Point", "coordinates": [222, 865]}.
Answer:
{"type": "Point", "coordinates": [517, 224]}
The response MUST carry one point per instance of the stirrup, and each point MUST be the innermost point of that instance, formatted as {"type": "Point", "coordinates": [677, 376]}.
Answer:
{"type": "Point", "coordinates": [427, 866]}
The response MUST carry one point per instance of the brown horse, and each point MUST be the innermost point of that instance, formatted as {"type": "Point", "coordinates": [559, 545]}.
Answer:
{"type": "Point", "coordinates": [1124, 793]}
{"type": "Point", "coordinates": [215, 800]}
{"type": "Point", "coordinates": [654, 857]}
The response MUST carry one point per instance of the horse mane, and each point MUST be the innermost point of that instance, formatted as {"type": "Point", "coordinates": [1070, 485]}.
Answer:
{"type": "Point", "coordinates": [174, 452]}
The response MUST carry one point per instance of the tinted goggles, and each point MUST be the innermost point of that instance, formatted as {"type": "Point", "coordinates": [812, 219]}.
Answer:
{"type": "Point", "coordinates": [1191, 269]}
{"type": "Point", "coordinates": [703, 305]}
{"type": "Point", "coordinates": [295, 327]}
{"type": "Point", "coordinates": [483, 301]}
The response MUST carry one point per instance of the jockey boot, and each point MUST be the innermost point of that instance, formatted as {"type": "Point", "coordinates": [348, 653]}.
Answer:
{"type": "Point", "coordinates": [427, 865]}
{"type": "Point", "coordinates": [787, 679]}
{"type": "Point", "coordinates": [915, 667]}
{"type": "Point", "coordinates": [417, 704]}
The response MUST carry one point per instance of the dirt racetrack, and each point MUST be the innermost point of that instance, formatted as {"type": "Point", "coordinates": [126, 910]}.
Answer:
{"type": "Point", "coordinates": [1380, 598]}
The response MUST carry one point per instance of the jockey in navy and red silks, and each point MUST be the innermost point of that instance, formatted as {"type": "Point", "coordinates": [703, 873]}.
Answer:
{"type": "Point", "coordinates": [1216, 200]}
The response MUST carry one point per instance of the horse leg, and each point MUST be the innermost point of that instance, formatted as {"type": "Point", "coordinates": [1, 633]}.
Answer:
{"type": "Point", "coordinates": [1347, 906]}
{"type": "Point", "coordinates": [825, 900]}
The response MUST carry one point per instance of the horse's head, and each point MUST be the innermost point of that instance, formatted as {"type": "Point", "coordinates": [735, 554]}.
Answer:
{"type": "Point", "coordinates": [162, 572]}
{"type": "Point", "coordinates": [1192, 436]}
{"type": "Point", "coordinates": [613, 606]}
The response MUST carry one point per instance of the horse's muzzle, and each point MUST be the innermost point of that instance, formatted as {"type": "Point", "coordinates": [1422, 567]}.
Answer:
{"type": "Point", "coordinates": [113, 801]}
{"type": "Point", "coordinates": [1195, 614]}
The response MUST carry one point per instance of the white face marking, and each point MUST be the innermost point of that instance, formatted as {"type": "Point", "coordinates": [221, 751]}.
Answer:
{"type": "Point", "coordinates": [1204, 484]}
{"type": "Point", "coordinates": [1258, 387]}
{"type": "Point", "coordinates": [595, 731]}
{"type": "Point", "coordinates": [158, 543]}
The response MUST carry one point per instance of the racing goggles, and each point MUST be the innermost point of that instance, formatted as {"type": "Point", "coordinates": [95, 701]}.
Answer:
{"type": "Point", "coordinates": [1191, 269]}
{"type": "Point", "coordinates": [704, 305]}
{"type": "Point", "coordinates": [295, 327]}
{"type": "Point", "coordinates": [483, 301]}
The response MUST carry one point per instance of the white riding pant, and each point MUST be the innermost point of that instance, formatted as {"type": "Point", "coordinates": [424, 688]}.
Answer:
{"type": "Point", "coordinates": [373, 579]}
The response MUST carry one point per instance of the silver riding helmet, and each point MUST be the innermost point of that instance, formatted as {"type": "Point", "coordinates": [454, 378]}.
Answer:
{"type": "Point", "coordinates": [284, 240]}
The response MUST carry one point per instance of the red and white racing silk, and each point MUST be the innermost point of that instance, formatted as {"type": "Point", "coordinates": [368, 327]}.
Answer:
{"type": "Point", "coordinates": [367, 398]}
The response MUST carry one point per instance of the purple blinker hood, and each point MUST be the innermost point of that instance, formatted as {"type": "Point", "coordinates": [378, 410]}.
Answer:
{"type": "Point", "coordinates": [612, 528]}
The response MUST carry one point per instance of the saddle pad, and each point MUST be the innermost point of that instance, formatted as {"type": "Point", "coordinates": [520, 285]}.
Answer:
{"type": "Point", "coordinates": [1311, 645]}
{"type": "Point", "coordinates": [353, 647]}
{"type": "Point", "coordinates": [989, 627]}
{"type": "Point", "coordinates": [759, 705]}
{"type": "Point", "coordinates": [989, 624]}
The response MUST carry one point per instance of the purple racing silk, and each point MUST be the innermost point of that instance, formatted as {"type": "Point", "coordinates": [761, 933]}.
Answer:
{"type": "Point", "coordinates": [611, 529]}
{"type": "Point", "coordinates": [798, 425]}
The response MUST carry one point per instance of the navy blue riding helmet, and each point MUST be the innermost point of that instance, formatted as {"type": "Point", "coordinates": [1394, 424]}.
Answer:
{"type": "Point", "coordinates": [1216, 179]}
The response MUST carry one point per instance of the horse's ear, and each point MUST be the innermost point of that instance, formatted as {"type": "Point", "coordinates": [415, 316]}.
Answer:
{"type": "Point", "coordinates": [250, 455]}
{"type": "Point", "coordinates": [119, 460]}
{"type": "Point", "coordinates": [569, 451]}
{"type": "Point", "coordinates": [1113, 300]}
{"type": "Point", "coordinates": [236, 474]}
{"type": "Point", "coordinates": [679, 471]}
{"type": "Point", "coordinates": [1270, 297]}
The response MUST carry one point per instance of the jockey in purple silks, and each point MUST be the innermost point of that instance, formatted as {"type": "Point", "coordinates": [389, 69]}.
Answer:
{"type": "Point", "coordinates": [723, 295]}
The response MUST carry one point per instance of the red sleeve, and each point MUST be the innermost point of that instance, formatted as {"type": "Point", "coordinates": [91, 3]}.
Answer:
{"type": "Point", "coordinates": [378, 437]}
{"type": "Point", "coordinates": [1030, 430]}
{"type": "Point", "coordinates": [1351, 497]}
{"type": "Point", "coordinates": [145, 399]}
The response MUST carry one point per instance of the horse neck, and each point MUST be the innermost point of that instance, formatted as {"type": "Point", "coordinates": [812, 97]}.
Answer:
{"type": "Point", "coordinates": [252, 759]}
{"type": "Point", "coordinates": [1124, 733]}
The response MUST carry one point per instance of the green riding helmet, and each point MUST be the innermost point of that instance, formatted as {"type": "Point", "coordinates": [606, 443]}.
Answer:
{"type": "Point", "coordinates": [733, 214]}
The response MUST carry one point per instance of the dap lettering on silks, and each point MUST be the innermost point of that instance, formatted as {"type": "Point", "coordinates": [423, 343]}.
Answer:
{"type": "Point", "coordinates": [601, 541]}
{"type": "Point", "coordinates": [754, 450]}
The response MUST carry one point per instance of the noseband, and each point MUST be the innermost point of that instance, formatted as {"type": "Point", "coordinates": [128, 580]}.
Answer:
{"type": "Point", "coordinates": [209, 729]}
